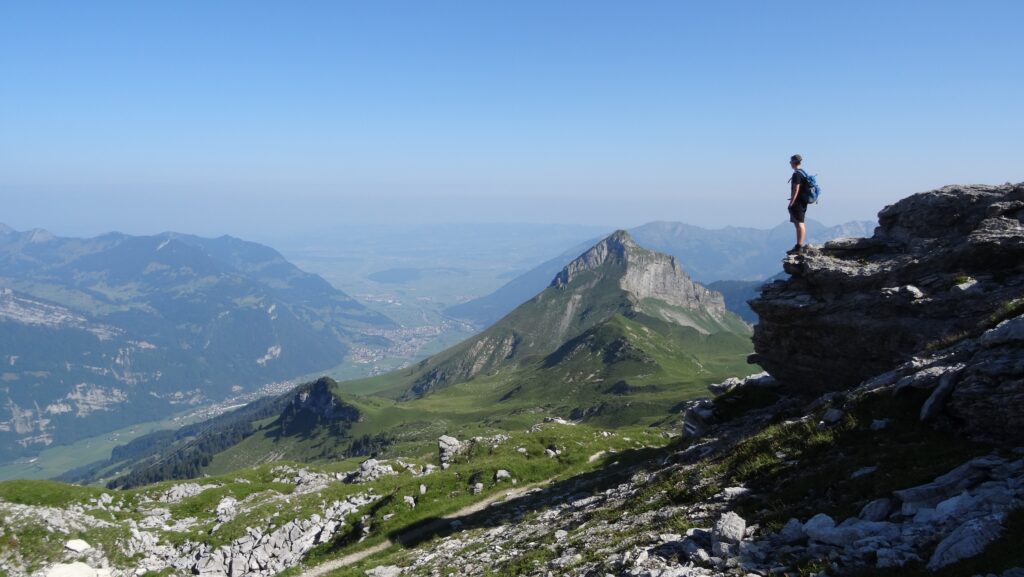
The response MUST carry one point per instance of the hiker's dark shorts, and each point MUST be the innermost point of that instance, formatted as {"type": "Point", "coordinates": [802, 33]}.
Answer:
{"type": "Point", "coordinates": [797, 211]}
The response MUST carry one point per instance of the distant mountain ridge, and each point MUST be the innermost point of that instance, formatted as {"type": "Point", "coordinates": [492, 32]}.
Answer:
{"type": "Point", "coordinates": [100, 333]}
{"type": "Point", "coordinates": [731, 253]}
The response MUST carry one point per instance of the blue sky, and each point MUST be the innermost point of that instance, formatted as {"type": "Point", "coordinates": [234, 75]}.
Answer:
{"type": "Point", "coordinates": [246, 117]}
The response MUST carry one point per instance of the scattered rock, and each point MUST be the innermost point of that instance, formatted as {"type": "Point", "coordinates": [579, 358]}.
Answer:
{"type": "Point", "coordinates": [180, 492]}
{"type": "Point", "coordinates": [792, 532]}
{"type": "Point", "coordinates": [863, 472]}
{"type": "Point", "coordinates": [384, 571]}
{"type": "Point", "coordinates": [877, 510]}
{"type": "Point", "coordinates": [832, 416]}
{"type": "Point", "coordinates": [226, 509]}
{"type": "Point", "coordinates": [730, 528]}
{"type": "Point", "coordinates": [77, 545]}
{"type": "Point", "coordinates": [76, 569]}
{"type": "Point", "coordinates": [731, 493]}
{"type": "Point", "coordinates": [370, 470]}
{"type": "Point", "coordinates": [697, 417]}
{"type": "Point", "coordinates": [447, 448]}
{"type": "Point", "coordinates": [967, 540]}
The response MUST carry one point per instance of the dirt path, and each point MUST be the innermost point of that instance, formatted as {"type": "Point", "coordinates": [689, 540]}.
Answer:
{"type": "Point", "coordinates": [476, 507]}
{"type": "Point", "coordinates": [329, 566]}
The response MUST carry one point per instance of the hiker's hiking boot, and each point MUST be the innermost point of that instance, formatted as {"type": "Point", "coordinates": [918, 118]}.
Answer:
{"type": "Point", "coordinates": [797, 249]}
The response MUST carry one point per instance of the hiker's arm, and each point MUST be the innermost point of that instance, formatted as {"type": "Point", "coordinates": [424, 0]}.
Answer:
{"type": "Point", "coordinates": [795, 190]}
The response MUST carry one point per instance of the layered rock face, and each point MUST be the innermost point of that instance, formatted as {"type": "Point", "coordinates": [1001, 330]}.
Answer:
{"type": "Point", "coordinates": [648, 274]}
{"type": "Point", "coordinates": [941, 265]}
{"type": "Point", "coordinates": [976, 384]}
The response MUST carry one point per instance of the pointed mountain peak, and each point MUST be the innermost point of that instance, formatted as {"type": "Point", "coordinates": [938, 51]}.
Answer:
{"type": "Point", "coordinates": [644, 274]}
{"type": "Point", "coordinates": [40, 235]}
{"type": "Point", "coordinates": [617, 244]}
{"type": "Point", "coordinates": [620, 238]}
{"type": "Point", "coordinates": [614, 248]}
{"type": "Point", "coordinates": [4, 229]}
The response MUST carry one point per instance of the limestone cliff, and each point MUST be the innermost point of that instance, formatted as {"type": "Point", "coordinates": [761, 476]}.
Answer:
{"type": "Point", "coordinates": [647, 274]}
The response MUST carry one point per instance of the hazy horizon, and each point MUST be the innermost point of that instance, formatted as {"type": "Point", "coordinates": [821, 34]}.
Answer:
{"type": "Point", "coordinates": [263, 120]}
{"type": "Point", "coordinates": [293, 236]}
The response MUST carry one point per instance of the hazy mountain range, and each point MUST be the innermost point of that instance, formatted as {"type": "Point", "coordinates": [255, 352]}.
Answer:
{"type": "Point", "coordinates": [707, 255]}
{"type": "Point", "coordinates": [100, 333]}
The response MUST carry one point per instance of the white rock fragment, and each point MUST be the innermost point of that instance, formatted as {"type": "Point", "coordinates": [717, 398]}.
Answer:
{"type": "Point", "coordinates": [76, 569]}
{"type": "Point", "coordinates": [863, 472]}
{"type": "Point", "coordinates": [384, 571]}
{"type": "Point", "coordinates": [730, 528]}
{"type": "Point", "coordinates": [77, 545]}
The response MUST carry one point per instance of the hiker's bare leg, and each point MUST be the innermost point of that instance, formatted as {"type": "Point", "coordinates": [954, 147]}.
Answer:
{"type": "Point", "coordinates": [801, 233]}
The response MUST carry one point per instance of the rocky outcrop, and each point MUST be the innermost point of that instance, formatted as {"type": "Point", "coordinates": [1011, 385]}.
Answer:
{"type": "Point", "coordinates": [318, 402]}
{"type": "Point", "coordinates": [940, 264]}
{"type": "Point", "coordinates": [976, 384]}
{"type": "Point", "coordinates": [180, 492]}
{"type": "Point", "coordinates": [447, 448]}
{"type": "Point", "coordinates": [962, 511]}
{"type": "Point", "coordinates": [259, 553]}
{"type": "Point", "coordinates": [370, 470]}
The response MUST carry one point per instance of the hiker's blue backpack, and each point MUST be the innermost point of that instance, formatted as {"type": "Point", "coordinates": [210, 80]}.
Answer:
{"type": "Point", "coordinates": [815, 190]}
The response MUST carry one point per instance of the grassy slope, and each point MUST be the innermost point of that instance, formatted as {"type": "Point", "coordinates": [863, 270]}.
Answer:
{"type": "Point", "coordinates": [447, 491]}
{"type": "Point", "coordinates": [796, 469]}
{"type": "Point", "coordinates": [628, 371]}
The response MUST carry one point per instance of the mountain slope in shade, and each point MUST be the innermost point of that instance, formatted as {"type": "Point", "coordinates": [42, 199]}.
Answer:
{"type": "Point", "coordinates": [101, 333]}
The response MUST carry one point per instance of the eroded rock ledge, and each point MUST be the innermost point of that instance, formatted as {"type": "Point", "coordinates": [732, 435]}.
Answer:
{"type": "Point", "coordinates": [939, 266]}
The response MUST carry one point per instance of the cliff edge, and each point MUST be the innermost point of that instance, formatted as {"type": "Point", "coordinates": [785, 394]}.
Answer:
{"type": "Point", "coordinates": [940, 265]}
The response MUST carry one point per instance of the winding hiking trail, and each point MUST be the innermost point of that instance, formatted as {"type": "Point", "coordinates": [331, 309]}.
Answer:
{"type": "Point", "coordinates": [504, 496]}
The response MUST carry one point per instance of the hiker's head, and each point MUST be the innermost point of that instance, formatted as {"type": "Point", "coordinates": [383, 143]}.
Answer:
{"type": "Point", "coordinates": [795, 160]}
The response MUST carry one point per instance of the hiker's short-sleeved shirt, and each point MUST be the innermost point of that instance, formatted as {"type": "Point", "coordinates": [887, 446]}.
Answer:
{"type": "Point", "coordinates": [805, 187]}
{"type": "Point", "coordinates": [798, 210]}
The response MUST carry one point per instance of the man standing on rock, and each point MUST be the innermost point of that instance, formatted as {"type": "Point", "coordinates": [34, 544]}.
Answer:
{"type": "Point", "coordinates": [799, 195]}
